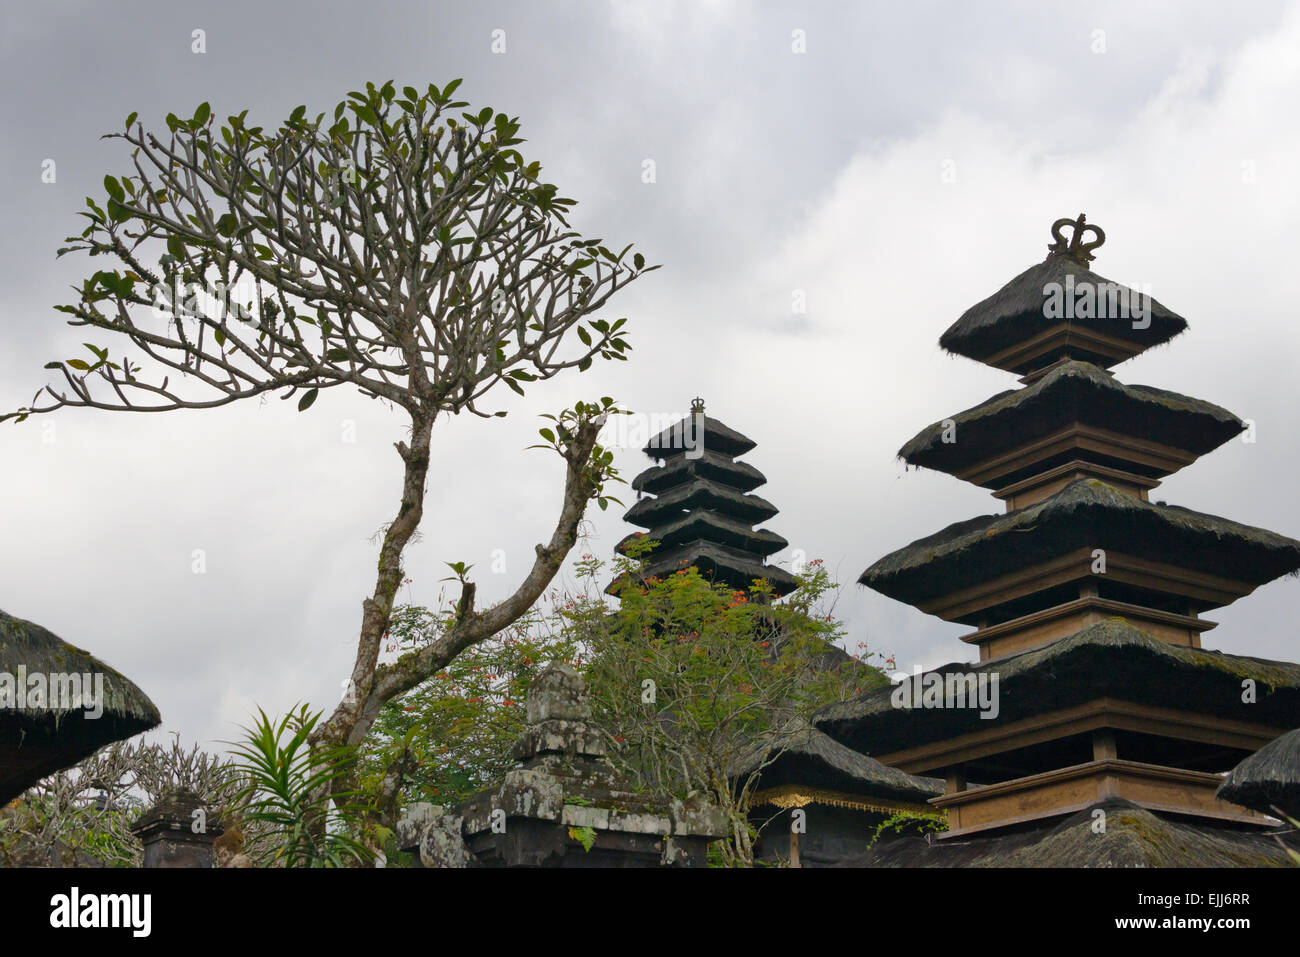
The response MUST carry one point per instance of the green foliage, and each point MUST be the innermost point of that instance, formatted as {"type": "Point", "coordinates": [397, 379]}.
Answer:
{"type": "Point", "coordinates": [88, 809]}
{"type": "Point", "coordinates": [285, 794]}
{"type": "Point", "coordinates": [460, 725]}
{"type": "Point", "coordinates": [414, 184]}
{"type": "Point", "coordinates": [687, 676]}
{"type": "Point", "coordinates": [910, 822]}
{"type": "Point", "coordinates": [600, 468]}
{"type": "Point", "coordinates": [45, 823]}
{"type": "Point", "coordinates": [586, 836]}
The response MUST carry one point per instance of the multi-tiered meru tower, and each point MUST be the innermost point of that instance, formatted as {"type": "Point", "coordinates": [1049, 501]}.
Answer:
{"type": "Point", "coordinates": [701, 510]}
{"type": "Point", "coordinates": [1085, 598]}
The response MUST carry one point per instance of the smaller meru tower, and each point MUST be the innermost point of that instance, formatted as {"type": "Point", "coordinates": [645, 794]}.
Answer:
{"type": "Point", "coordinates": [1084, 598]}
{"type": "Point", "coordinates": [702, 510]}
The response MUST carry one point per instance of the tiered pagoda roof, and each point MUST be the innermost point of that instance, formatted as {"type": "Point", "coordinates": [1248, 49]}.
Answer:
{"type": "Point", "coordinates": [702, 510]}
{"type": "Point", "coordinates": [1111, 661]}
{"type": "Point", "coordinates": [1067, 418]}
{"type": "Point", "coordinates": [1085, 596]}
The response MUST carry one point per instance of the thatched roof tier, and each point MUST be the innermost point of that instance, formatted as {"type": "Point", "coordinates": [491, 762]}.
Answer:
{"type": "Point", "coordinates": [1020, 311]}
{"type": "Point", "coordinates": [41, 736]}
{"type": "Point", "coordinates": [729, 566]}
{"type": "Point", "coordinates": [805, 758]}
{"type": "Point", "coordinates": [1074, 392]}
{"type": "Point", "coordinates": [712, 527]}
{"type": "Point", "coordinates": [1086, 514]}
{"type": "Point", "coordinates": [1269, 778]}
{"type": "Point", "coordinates": [710, 465]}
{"type": "Point", "coordinates": [695, 432]}
{"type": "Point", "coordinates": [1110, 659]}
{"type": "Point", "coordinates": [700, 493]}
{"type": "Point", "coordinates": [1134, 837]}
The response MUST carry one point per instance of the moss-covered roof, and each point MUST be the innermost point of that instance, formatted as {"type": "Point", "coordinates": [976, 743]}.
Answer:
{"type": "Point", "coordinates": [1270, 777]}
{"type": "Point", "coordinates": [1016, 313]}
{"type": "Point", "coordinates": [36, 741]}
{"type": "Point", "coordinates": [1134, 837]}
{"type": "Point", "coordinates": [809, 758]}
{"type": "Point", "coordinates": [1110, 659]}
{"type": "Point", "coordinates": [1073, 392]}
{"type": "Point", "coordinates": [1090, 514]}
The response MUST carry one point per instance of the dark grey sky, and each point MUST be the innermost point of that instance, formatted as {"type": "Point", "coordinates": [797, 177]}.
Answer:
{"type": "Point", "coordinates": [902, 168]}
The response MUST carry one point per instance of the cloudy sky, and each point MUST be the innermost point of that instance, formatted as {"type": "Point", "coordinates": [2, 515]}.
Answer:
{"type": "Point", "coordinates": [902, 167]}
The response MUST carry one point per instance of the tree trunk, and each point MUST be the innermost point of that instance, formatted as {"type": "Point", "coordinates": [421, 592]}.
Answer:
{"type": "Point", "coordinates": [345, 726]}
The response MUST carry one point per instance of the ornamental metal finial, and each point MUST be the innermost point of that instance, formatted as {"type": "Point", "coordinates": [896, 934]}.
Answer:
{"type": "Point", "coordinates": [697, 406]}
{"type": "Point", "coordinates": [1076, 249]}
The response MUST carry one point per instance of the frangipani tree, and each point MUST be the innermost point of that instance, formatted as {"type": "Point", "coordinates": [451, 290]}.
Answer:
{"type": "Point", "coordinates": [401, 246]}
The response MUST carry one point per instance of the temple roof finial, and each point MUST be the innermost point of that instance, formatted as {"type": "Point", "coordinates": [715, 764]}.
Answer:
{"type": "Point", "coordinates": [697, 406]}
{"type": "Point", "coordinates": [1075, 249]}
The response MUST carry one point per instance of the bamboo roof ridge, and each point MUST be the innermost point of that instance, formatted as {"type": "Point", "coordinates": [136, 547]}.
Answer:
{"type": "Point", "coordinates": [1073, 392]}
{"type": "Point", "coordinates": [1087, 513]}
{"type": "Point", "coordinates": [39, 739]}
{"type": "Point", "coordinates": [1109, 659]}
{"type": "Point", "coordinates": [1269, 778]}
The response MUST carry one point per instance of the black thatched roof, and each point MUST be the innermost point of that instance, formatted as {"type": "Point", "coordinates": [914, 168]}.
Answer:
{"type": "Point", "coordinates": [1134, 837]}
{"type": "Point", "coordinates": [700, 493]}
{"type": "Point", "coordinates": [37, 741]}
{"type": "Point", "coordinates": [1110, 659]}
{"type": "Point", "coordinates": [710, 465]}
{"type": "Point", "coordinates": [702, 513]}
{"type": "Point", "coordinates": [811, 759]}
{"type": "Point", "coordinates": [1268, 778]}
{"type": "Point", "coordinates": [713, 527]}
{"type": "Point", "coordinates": [1090, 514]}
{"type": "Point", "coordinates": [1074, 392]}
{"type": "Point", "coordinates": [686, 436]}
{"type": "Point", "coordinates": [1015, 313]}
{"type": "Point", "coordinates": [731, 566]}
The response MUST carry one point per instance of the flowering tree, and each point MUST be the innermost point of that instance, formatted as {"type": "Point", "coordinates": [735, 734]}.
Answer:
{"type": "Point", "coordinates": [400, 246]}
{"type": "Point", "coordinates": [451, 737]}
{"type": "Point", "coordinates": [685, 677]}
{"type": "Point", "coordinates": [688, 676]}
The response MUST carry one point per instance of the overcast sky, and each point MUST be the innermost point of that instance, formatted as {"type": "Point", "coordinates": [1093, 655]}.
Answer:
{"type": "Point", "coordinates": [903, 167]}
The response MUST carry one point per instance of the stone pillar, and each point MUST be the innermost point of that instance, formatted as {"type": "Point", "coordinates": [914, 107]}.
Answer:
{"type": "Point", "coordinates": [177, 831]}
